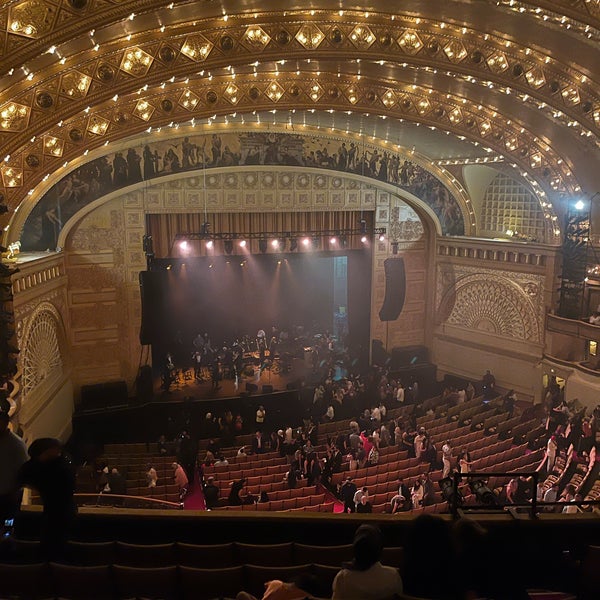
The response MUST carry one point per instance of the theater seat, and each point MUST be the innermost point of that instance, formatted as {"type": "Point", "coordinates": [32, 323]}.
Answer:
{"type": "Point", "coordinates": [325, 574]}
{"type": "Point", "coordinates": [205, 584]}
{"type": "Point", "coordinates": [142, 555]}
{"type": "Point", "coordinates": [20, 552]}
{"type": "Point", "coordinates": [82, 583]}
{"type": "Point", "coordinates": [90, 553]}
{"type": "Point", "coordinates": [256, 576]}
{"type": "Point", "coordinates": [393, 556]}
{"type": "Point", "coordinates": [322, 555]}
{"type": "Point", "coordinates": [155, 583]}
{"type": "Point", "coordinates": [206, 556]}
{"type": "Point", "coordinates": [273, 555]}
{"type": "Point", "coordinates": [25, 582]}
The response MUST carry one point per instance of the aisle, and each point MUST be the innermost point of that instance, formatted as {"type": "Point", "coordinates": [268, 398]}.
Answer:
{"type": "Point", "coordinates": [195, 499]}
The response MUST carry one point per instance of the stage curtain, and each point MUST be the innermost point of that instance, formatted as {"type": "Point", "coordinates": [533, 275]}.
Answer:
{"type": "Point", "coordinates": [164, 227]}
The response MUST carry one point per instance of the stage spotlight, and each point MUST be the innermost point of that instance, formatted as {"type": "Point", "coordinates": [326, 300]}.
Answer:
{"type": "Point", "coordinates": [579, 205]}
{"type": "Point", "coordinates": [483, 493]}
{"type": "Point", "coordinates": [381, 237]}
{"type": "Point", "coordinates": [278, 262]}
{"type": "Point", "coordinates": [333, 241]}
{"type": "Point", "coordinates": [210, 266]}
{"type": "Point", "coordinates": [243, 263]}
{"type": "Point", "coordinates": [293, 244]}
{"type": "Point", "coordinates": [183, 245]}
{"type": "Point", "coordinates": [228, 245]}
{"type": "Point", "coordinates": [363, 239]}
{"type": "Point", "coordinates": [209, 244]}
{"type": "Point", "coordinates": [262, 245]}
{"type": "Point", "coordinates": [168, 267]}
{"type": "Point", "coordinates": [447, 488]}
{"type": "Point", "coordinates": [242, 243]}
{"type": "Point", "coordinates": [306, 242]}
{"type": "Point", "coordinates": [275, 243]}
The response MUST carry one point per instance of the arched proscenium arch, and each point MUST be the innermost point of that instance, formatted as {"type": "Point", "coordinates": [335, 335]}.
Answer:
{"type": "Point", "coordinates": [292, 150]}
{"type": "Point", "coordinates": [500, 80]}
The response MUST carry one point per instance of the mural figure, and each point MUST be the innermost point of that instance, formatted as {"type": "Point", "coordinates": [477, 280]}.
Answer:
{"type": "Point", "coordinates": [114, 171]}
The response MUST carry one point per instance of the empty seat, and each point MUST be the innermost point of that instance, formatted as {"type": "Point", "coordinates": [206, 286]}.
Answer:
{"type": "Point", "coordinates": [206, 556]}
{"type": "Point", "coordinates": [325, 575]}
{"type": "Point", "coordinates": [25, 582]}
{"type": "Point", "coordinates": [133, 582]}
{"type": "Point", "coordinates": [20, 552]}
{"type": "Point", "coordinates": [141, 555]}
{"type": "Point", "coordinates": [205, 584]}
{"type": "Point", "coordinates": [82, 582]}
{"type": "Point", "coordinates": [323, 555]}
{"type": "Point", "coordinates": [90, 553]}
{"type": "Point", "coordinates": [266, 555]}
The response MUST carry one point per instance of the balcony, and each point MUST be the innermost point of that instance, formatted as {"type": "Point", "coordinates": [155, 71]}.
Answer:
{"type": "Point", "coordinates": [572, 327]}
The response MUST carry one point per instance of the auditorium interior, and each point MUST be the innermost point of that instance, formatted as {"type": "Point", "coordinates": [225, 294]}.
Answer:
{"type": "Point", "coordinates": [211, 206]}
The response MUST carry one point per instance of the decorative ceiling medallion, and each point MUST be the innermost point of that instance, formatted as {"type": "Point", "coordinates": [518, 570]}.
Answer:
{"type": "Point", "coordinates": [485, 127]}
{"type": "Point", "coordinates": [53, 146]}
{"type": "Point", "coordinates": [75, 84]}
{"type": "Point", "coordinates": [30, 19]}
{"type": "Point", "coordinates": [362, 37]}
{"type": "Point", "coordinates": [143, 110]}
{"type": "Point", "coordinates": [410, 41]}
{"type": "Point", "coordinates": [535, 78]}
{"type": "Point", "coordinates": [14, 117]}
{"type": "Point", "coordinates": [98, 125]}
{"type": "Point", "coordinates": [189, 100]}
{"type": "Point", "coordinates": [136, 62]}
{"type": "Point", "coordinates": [497, 62]}
{"type": "Point", "coordinates": [571, 95]}
{"type": "Point", "coordinates": [389, 98]}
{"type": "Point", "coordinates": [274, 91]}
{"type": "Point", "coordinates": [196, 47]}
{"type": "Point", "coordinates": [232, 93]}
{"type": "Point", "coordinates": [256, 37]}
{"type": "Point", "coordinates": [316, 91]}
{"type": "Point", "coordinates": [455, 115]}
{"type": "Point", "coordinates": [423, 106]}
{"type": "Point", "coordinates": [536, 160]}
{"type": "Point", "coordinates": [352, 93]}
{"type": "Point", "coordinates": [455, 51]}
{"type": "Point", "coordinates": [310, 36]}
{"type": "Point", "coordinates": [11, 177]}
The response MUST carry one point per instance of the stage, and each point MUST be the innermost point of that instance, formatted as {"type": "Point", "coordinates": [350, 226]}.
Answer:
{"type": "Point", "coordinates": [274, 377]}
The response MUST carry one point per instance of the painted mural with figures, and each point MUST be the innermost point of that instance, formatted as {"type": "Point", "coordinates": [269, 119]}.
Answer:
{"type": "Point", "coordinates": [152, 160]}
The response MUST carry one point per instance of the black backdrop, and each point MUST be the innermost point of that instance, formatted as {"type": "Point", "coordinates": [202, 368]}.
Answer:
{"type": "Point", "coordinates": [227, 300]}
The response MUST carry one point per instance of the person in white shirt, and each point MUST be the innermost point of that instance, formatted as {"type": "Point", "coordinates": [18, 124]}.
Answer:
{"type": "Point", "coordinates": [569, 496]}
{"type": "Point", "coordinates": [400, 394]}
{"type": "Point", "coordinates": [551, 495]}
{"type": "Point", "coordinates": [359, 494]}
{"type": "Point", "coordinates": [551, 449]}
{"type": "Point", "coordinates": [365, 578]}
{"type": "Point", "coordinates": [260, 415]}
{"type": "Point", "coordinates": [376, 414]}
{"type": "Point", "coordinates": [446, 459]}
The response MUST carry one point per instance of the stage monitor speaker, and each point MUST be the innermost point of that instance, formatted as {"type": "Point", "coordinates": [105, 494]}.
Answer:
{"type": "Point", "coordinates": [144, 385]}
{"type": "Point", "coordinates": [267, 389]}
{"type": "Point", "coordinates": [251, 387]}
{"type": "Point", "coordinates": [408, 356]}
{"type": "Point", "coordinates": [102, 396]}
{"type": "Point", "coordinates": [395, 289]}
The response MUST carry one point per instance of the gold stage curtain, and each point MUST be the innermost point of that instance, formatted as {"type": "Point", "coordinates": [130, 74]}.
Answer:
{"type": "Point", "coordinates": [165, 227]}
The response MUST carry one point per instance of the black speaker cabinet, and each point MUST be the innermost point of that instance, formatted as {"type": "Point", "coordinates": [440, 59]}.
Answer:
{"type": "Point", "coordinates": [267, 389]}
{"type": "Point", "coordinates": [251, 387]}
{"type": "Point", "coordinates": [144, 385]}
{"type": "Point", "coordinates": [395, 289]}
{"type": "Point", "coordinates": [408, 356]}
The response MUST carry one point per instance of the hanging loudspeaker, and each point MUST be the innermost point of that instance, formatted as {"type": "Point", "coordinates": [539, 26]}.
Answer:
{"type": "Point", "coordinates": [395, 289]}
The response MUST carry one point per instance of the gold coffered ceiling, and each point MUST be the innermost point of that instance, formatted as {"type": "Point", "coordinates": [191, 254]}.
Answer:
{"type": "Point", "coordinates": [517, 79]}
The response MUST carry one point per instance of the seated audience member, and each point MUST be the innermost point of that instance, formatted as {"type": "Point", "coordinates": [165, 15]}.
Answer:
{"type": "Point", "coordinates": [303, 587]}
{"type": "Point", "coordinates": [595, 318]}
{"type": "Point", "coordinates": [211, 493]}
{"type": "Point", "coordinates": [365, 578]}
{"type": "Point", "coordinates": [364, 506]}
{"type": "Point", "coordinates": [151, 476]}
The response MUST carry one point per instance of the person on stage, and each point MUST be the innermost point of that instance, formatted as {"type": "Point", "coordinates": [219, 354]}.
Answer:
{"type": "Point", "coordinates": [216, 375]}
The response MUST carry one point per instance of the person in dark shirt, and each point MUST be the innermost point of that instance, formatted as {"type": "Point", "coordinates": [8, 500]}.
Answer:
{"type": "Point", "coordinates": [117, 483]}
{"type": "Point", "coordinates": [234, 494]}
{"type": "Point", "coordinates": [211, 493]}
{"type": "Point", "coordinates": [347, 492]}
{"type": "Point", "coordinates": [50, 473]}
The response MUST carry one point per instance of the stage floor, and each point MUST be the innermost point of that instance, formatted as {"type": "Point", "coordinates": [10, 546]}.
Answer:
{"type": "Point", "coordinates": [186, 385]}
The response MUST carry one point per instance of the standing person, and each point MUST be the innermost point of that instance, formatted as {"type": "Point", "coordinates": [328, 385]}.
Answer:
{"type": "Point", "coordinates": [211, 494]}
{"type": "Point", "coordinates": [347, 492]}
{"type": "Point", "coordinates": [446, 459]}
{"type": "Point", "coordinates": [261, 413]}
{"type": "Point", "coordinates": [464, 462]}
{"type": "Point", "coordinates": [551, 449]}
{"type": "Point", "coordinates": [180, 478]}
{"type": "Point", "coordinates": [13, 454]}
{"type": "Point", "coordinates": [51, 474]}
{"type": "Point", "coordinates": [151, 476]}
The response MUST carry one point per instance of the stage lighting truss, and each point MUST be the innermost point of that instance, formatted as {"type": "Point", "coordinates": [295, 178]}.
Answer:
{"type": "Point", "coordinates": [276, 241]}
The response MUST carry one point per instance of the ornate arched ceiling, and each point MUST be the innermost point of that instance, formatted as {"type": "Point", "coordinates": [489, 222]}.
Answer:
{"type": "Point", "coordinates": [516, 80]}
